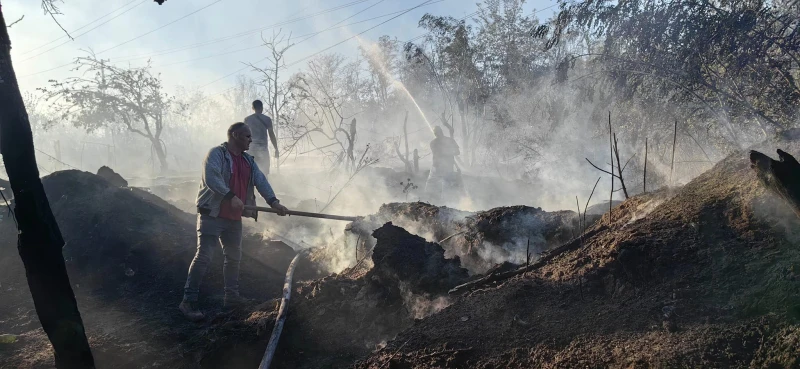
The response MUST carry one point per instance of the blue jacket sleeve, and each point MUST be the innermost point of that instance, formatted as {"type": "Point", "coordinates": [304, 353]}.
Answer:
{"type": "Point", "coordinates": [212, 173]}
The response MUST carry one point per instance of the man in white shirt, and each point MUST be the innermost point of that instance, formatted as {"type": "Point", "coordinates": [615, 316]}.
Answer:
{"type": "Point", "coordinates": [260, 127]}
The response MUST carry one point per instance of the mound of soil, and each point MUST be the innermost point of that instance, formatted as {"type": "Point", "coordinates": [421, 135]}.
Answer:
{"type": "Point", "coordinates": [338, 319]}
{"type": "Point", "coordinates": [410, 259]}
{"type": "Point", "coordinates": [112, 177]}
{"type": "Point", "coordinates": [481, 240]}
{"type": "Point", "coordinates": [508, 233]}
{"type": "Point", "coordinates": [704, 276]}
{"type": "Point", "coordinates": [127, 254]}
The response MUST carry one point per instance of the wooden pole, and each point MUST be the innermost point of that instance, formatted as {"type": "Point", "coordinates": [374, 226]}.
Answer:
{"type": "Point", "coordinates": [587, 203]}
{"type": "Point", "coordinates": [39, 239]}
{"type": "Point", "coordinates": [528, 253]}
{"type": "Point", "coordinates": [611, 147]}
{"type": "Point", "coordinates": [674, 141]}
{"type": "Point", "coordinates": [644, 182]}
{"type": "Point", "coordinates": [579, 212]}
{"type": "Point", "coordinates": [303, 213]}
{"type": "Point", "coordinates": [619, 167]}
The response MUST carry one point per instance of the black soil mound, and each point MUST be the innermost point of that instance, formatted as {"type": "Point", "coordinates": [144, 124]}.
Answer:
{"type": "Point", "coordinates": [127, 253]}
{"type": "Point", "coordinates": [706, 276]}
{"type": "Point", "coordinates": [409, 258]}
{"type": "Point", "coordinates": [481, 240]}
{"type": "Point", "coordinates": [338, 319]}
{"type": "Point", "coordinates": [112, 177]}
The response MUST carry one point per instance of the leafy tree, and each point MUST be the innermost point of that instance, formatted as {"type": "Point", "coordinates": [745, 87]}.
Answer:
{"type": "Point", "coordinates": [735, 63]}
{"type": "Point", "coordinates": [106, 95]}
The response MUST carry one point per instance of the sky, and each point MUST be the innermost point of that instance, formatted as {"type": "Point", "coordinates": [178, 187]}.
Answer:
{"type": "Point", "coordinates": [205, 43]}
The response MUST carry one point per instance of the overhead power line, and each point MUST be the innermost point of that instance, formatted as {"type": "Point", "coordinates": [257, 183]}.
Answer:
{"type": "Point", "coordinates": [82, 27]}
{"type": "Point", "coordinates": [306, 39]}
{"type": "Point", "coordinates": [402, 12]}
{"type": "Point", "coordinates": [204, 43]}
{"type": "Point", "coordinates": [241, 34]}
{"type": "Point", "coordinates": [303, 38]}
{"type": "Point", "coordinates": [161, 27]}
{"type": "Point", "coordinates": [360, 33]}
{"type": "Point", "coordinates": [90, 30]}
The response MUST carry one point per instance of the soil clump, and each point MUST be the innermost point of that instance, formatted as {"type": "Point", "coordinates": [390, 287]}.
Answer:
{"type": "Point", "coordinates": [338, 319]}
{"type": "Point", "coordinates": [112, 177]}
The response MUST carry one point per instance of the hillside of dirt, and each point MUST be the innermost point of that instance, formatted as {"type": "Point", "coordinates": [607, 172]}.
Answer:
{"type": "Point", "coordinates": [700, 276]}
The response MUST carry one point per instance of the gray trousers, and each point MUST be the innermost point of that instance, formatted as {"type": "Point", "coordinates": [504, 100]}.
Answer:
{"type": "Point", "coordinates": [209, 231]}
{"type": "Point", "coordinates": [261, 154]}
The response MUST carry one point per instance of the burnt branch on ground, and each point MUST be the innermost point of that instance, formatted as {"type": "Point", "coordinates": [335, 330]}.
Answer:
{"type": "Point", "coordinates": [781, 177]}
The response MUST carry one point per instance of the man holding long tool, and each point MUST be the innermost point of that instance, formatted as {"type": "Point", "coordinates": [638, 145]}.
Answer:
{"type": "Point", "coordinates": [230, 179]}
{"type": "Point", "coordinates": [261, 129]}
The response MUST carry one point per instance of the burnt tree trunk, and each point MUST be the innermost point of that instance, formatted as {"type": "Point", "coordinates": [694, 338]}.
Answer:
{"type": "Point", "coordinates": [161, 154]}
{"type": "Point", "coordinates": [40, 240]}
{"type": "Point", "coordinates": [781, 177]}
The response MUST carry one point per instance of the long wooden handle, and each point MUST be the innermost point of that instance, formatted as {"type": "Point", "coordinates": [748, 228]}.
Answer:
{"type": "Point", "coordinates": [303, 213]}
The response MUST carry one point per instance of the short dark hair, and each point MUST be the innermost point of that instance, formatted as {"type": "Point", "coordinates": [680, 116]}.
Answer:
{"type": "Point", "coordinates": [257, 104]}
{"type": "Point", "coordinates": [235, 127]}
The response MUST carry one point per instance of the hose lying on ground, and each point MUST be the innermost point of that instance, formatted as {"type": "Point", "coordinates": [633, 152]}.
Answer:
{"type": "Point", "coordinates": [269, 354]}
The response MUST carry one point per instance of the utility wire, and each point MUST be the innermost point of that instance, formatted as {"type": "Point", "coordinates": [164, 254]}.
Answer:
{"type": "Point", "coordinates": [204, 43]}
{"type": "Point", "coordinates": [306, 39]}
{"type": "Point", "coordinates": [161, 27]}
{"type": "Point", "coordinates": [243, 33]}
{"type": "Point", "coordinates": [51, 157]}
{"type": "Point", "coordinates": [90, 30]}
{"type": "Point", "coordinates": [303, 38]}
{"type": "Point", "coordinates": [82, 27]}
{"type": "Point", "coordinates": [429, 2]}
{"type": "Point", "coordinates": [359, 34]}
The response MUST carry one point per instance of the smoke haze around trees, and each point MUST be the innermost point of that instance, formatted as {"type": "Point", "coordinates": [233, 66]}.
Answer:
{"type": "Point", "coordinates": [527, 99]}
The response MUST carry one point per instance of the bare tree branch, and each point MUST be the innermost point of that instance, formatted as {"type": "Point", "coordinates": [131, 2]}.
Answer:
{"type": "Point", "coordinates": [50, 7]}
{"type": "Point", "coordinates": [16, 21]}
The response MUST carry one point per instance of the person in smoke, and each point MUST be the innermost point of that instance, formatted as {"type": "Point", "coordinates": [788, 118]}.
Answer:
{"type": "Point", "coordinates": [443, 176]}
{"type": "Point", "coordinates": [261, 128]}
{"type": "Point", "coordinates": [230, 179]}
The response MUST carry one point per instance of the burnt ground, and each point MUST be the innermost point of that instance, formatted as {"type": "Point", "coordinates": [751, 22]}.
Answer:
{"type": "Point", "coordinates": [127, 253]}
{"type": "Point", "coordinates": [703, 276]}
{"type": "Point", "coordinates": [707, 275]}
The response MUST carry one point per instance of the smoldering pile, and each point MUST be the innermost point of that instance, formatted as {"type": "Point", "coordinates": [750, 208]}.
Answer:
{"type": "Point", "coordinates": [481, 240]}
{"type": "Point", "coordinates": [340, 318]}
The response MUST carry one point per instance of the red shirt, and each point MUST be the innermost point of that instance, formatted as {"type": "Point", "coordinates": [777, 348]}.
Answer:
{"type": "Point", "coordinates": [240, 178]}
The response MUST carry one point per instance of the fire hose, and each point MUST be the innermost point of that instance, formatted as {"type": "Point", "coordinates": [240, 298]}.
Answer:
{"type": "Point", "coordinates": [269, 354]}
